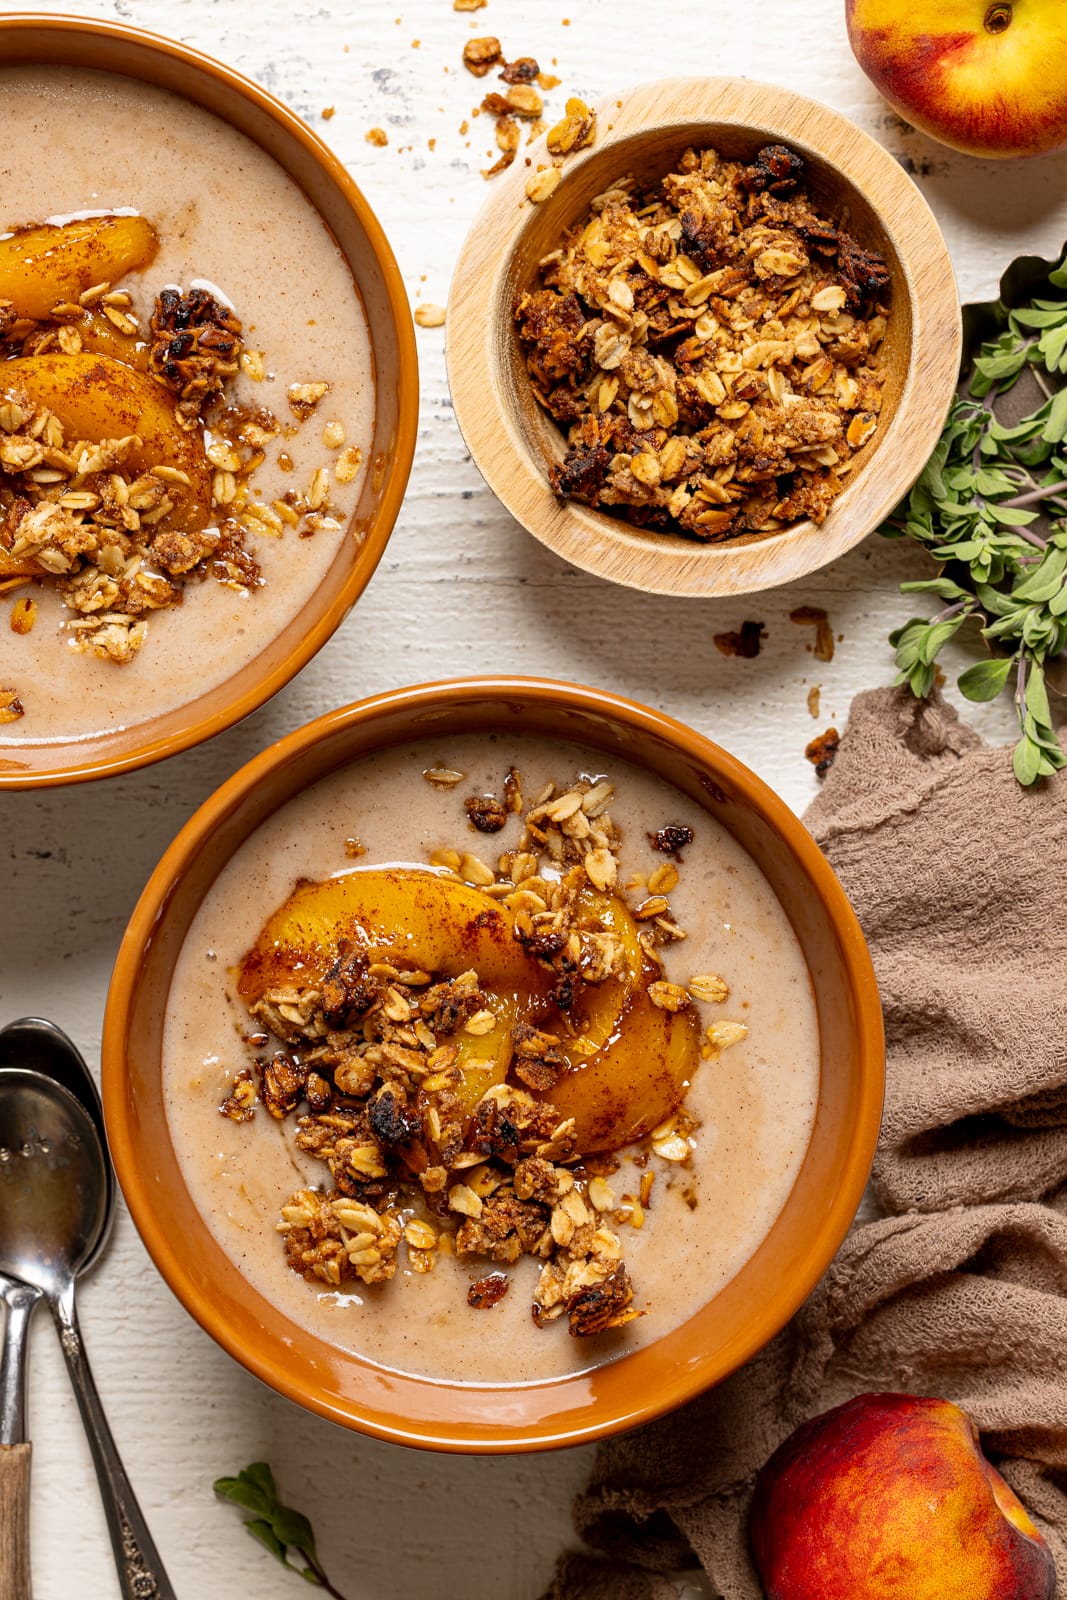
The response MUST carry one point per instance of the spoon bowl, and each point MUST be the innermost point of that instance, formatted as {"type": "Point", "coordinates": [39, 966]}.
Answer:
{"type": "Point", "coordinates": [53, 1183]}
{"type": "Point", "coordinates": [56, 1196]}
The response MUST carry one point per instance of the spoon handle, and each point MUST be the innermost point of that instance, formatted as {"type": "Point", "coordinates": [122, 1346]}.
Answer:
{"type": "Point", "coordinates": [141, 1574]}
{"type": "Point", "coordinates": [15, 1521]}
{"type": "Point", "coordinates": [20, 1301]}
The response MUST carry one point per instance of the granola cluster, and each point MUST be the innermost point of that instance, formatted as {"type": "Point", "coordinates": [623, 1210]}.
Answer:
{"type": "Point", "coordinates": [368, 1065]}
{"type": "Point", "coordinates": [710, 346]}
{"type": "Point", "coordinates": [87, 516]}
{"type": "Point", "coordinates": [522, 105]}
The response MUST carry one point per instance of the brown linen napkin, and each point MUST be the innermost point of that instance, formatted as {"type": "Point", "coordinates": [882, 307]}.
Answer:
{"type": "Point", "coordinates": [960, 881]}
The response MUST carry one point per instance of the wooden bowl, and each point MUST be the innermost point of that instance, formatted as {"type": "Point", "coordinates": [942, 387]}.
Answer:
{"type": "Point", "coordinates": [115, 48]}
{"type": "Point", "coordinates": [643, 132]}
{"type": "Point", "coordinates": [479, 1417]}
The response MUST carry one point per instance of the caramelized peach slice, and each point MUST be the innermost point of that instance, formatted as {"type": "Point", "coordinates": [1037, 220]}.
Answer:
{"type": "Point", "coordinates": [101, 337]}
{"type": "Point", "coordinates": [46, 266]}
{"type": "Point", "coordinates": [415, 920]}
{"type": "Point", "coordinates": [96, 397]}
{"type": "Point", "coordinates": [623, 1090]}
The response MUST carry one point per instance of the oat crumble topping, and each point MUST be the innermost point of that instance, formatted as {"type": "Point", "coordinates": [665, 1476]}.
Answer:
{"type": "Point", "coordinates": [115, 532]}
{"type": "Point", "coordinates": [368, 1061]}
{"type": "Point", "coordinates": [710, 347]}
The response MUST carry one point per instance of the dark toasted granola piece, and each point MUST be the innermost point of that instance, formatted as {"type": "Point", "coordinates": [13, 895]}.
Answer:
{"type": "Point", "coordinates": [822, 751]}
{"type": "Point", "coordinates": [240, 1103]}
{"type": "Point", "coordinates": [745, 643]}
{"type": "Point", "coordinates": [319, 1093]}
{"type": "Point", "coordinates": [487, 1292]}
{"type": "Point", "coordinates": [549, 325]}
{"type": "Point", "coordinates": [485, 812]}
{"type": "Point", "coordinates": [537, 1179]}
{"type": "Point", "coordinates": [524, 69]}
{"type": "Point", "coordinates": [704, 242]}
{"type": "Point", "coordinates": [864, 272]}
{"type": "Point", "coordinates": [538, 1060]}
{"type": "Point", "coordinates": [348, 992]}
{"type": "Point", "coordinates": [776, 170]}
{"type": "Point", "coordinates": [445, 1007]}
{"type": "Point", "coordinates": [507, 1229]}
{"type": "Point", "coordinates": [281, 1083]}
{"type": "Point", "coordinates": [669, 840]}
{"type": "Point", "coordinates": [393, 1120]}
{"type": "Point", "coordinates": [232, 563]}
{"type": "Point", "coordinates": [602, 1306]}
{"type": "Point", "coordinates": [511, 1124]}
{"type": "Point", "coordinates": [196, 347]}
{"type": "Point", "coordinates": [581, 475]}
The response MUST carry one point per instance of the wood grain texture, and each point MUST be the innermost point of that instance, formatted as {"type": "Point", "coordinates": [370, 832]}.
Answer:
{"type": "Point", "coordinates": [461, 588]}
{"type": "Point", "coordinates": [643, 132]}
{"type": "Point", "coordinates": [15, 1522]}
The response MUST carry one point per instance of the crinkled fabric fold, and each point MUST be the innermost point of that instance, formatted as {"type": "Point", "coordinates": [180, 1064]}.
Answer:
{"type": "Point", "coordinates": [959, 879]}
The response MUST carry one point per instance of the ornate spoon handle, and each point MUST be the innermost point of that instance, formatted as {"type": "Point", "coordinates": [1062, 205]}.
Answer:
{"type": "Point", "coordinates": [141, 1574]}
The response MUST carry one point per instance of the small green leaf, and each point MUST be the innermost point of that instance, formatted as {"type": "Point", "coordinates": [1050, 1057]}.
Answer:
{"type": "Point", "coordinates": [985, 679]}
{"type": "Point", "coordinates": [268, 1539]}
{"type": "Point", "coordinates": [1026, 761]}
{"type": "Point", "coordinates": [1055, 427]}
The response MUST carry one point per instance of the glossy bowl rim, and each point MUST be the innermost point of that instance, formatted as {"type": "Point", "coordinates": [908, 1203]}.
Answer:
{"type": "Point", "coordinates": [869, 1070]}
{"type": "Point", "coordinates": [401, 458]}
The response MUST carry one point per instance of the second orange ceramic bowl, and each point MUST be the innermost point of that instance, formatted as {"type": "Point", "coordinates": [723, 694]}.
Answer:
{"type": "Point", "coordinates": [473, 1417]}
{"type": "Point", "coordinates": [81, 43]}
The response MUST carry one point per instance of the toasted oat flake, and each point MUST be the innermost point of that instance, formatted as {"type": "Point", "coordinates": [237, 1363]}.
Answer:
{"type": "Point", "coordinates": [443, 778]}
{"type": "Point", "coordinates": [668, 996]}
{"type": "Point", "coordinates": [304, 397]}
{"type": "Point", "coordinates": [253, 365]}
{"type": "Point", "coordinates": [333, 434]}
{"type": "Point", "coordinates": [662, 879]}
{"type": "Point", "coordinates": [429, 315]}
{"type": "Point", "coordinates": [348, 463]}
{"type": "Point", "coordinates": [540, 185]}
{"type": "Point", "coordinates": [721, 1035]}
{"type": "Point", "coordinates": [709, 987]}
{"type": "Point", "coordinates": [601, 868]}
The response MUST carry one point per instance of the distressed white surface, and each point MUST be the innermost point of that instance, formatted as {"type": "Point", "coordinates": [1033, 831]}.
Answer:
{"type": "Point", "coordinates": [461, 589]}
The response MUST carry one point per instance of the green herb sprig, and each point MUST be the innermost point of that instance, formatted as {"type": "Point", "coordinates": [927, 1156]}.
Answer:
{"type": "Point", "coordinates": [973, 508]}
{"type": "Point", "coordinates": [286, 1533]}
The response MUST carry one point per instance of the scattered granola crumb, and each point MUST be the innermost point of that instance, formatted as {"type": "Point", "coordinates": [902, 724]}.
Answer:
{"type": "Point", "coordinates": [429, 315]}
{"type": "Point", "coordinates": [442, 777]}
{"type": "Point", "coordinates": [669, 840]}
{"type": "Point", "coordinates": [575, 131]}
{"type": "Point", "coordinates": [348, 464]}
{"type": "Point", "coordinates": [807, 616]}
{"type": "Point", "coordinates": [304, 397]}
{"type": "Point", "coordinates": [11, 707]}
{"type": "Point", "coordinates": [481, 55]}
{"type": "Point", "coordinates": [822, 751]}
{"type": "Point", "coordinates": [711, 988]}
{"type": "Point", "coordinates": [327, 112]}
{"type": "Point", "coordinates": [354, 848]}
{"type": "Point", "coordinates": [377, 136]}
{"type": "Point", "coordinates": [745, 644]}
{"type": "Point", "coordinates": [485, 812]}
{"type": "Point", "coordinates": [813, 699]}
{"type": "Point", "coordinates": [469, 5]}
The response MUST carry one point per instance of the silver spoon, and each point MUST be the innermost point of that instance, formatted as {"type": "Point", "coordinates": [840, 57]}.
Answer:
{"type": "Point", "coordinates": [54, 1213]}
{"type": "Point", "coordinates": [40, 1046]}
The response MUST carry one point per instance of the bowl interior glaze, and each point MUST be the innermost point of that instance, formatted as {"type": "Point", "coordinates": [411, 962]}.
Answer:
{"type": "Point", "coordinates": [471, 1417]}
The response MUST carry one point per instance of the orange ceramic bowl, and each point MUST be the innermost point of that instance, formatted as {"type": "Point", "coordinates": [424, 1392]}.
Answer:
{"type": "Point", "coordinates": [737, 1321]}
{"type": "Point", "coordinates": [112, 47]}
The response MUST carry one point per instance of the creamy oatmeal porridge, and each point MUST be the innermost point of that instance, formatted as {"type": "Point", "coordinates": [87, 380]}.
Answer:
{"type": "Point", "coordinates": [230, 229]}
{"type": "Point", "coordinates": [682, 1206]}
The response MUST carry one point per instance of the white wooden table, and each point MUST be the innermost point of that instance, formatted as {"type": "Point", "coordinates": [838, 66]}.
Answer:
{"type": "Point", "coordinates": [461, 589]}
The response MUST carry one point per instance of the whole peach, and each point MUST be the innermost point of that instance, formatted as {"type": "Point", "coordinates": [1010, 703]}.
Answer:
{"type": "Point", "coordinates": [986, 78]}
{"type": "Point", "coordinates": [889, 1497]}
